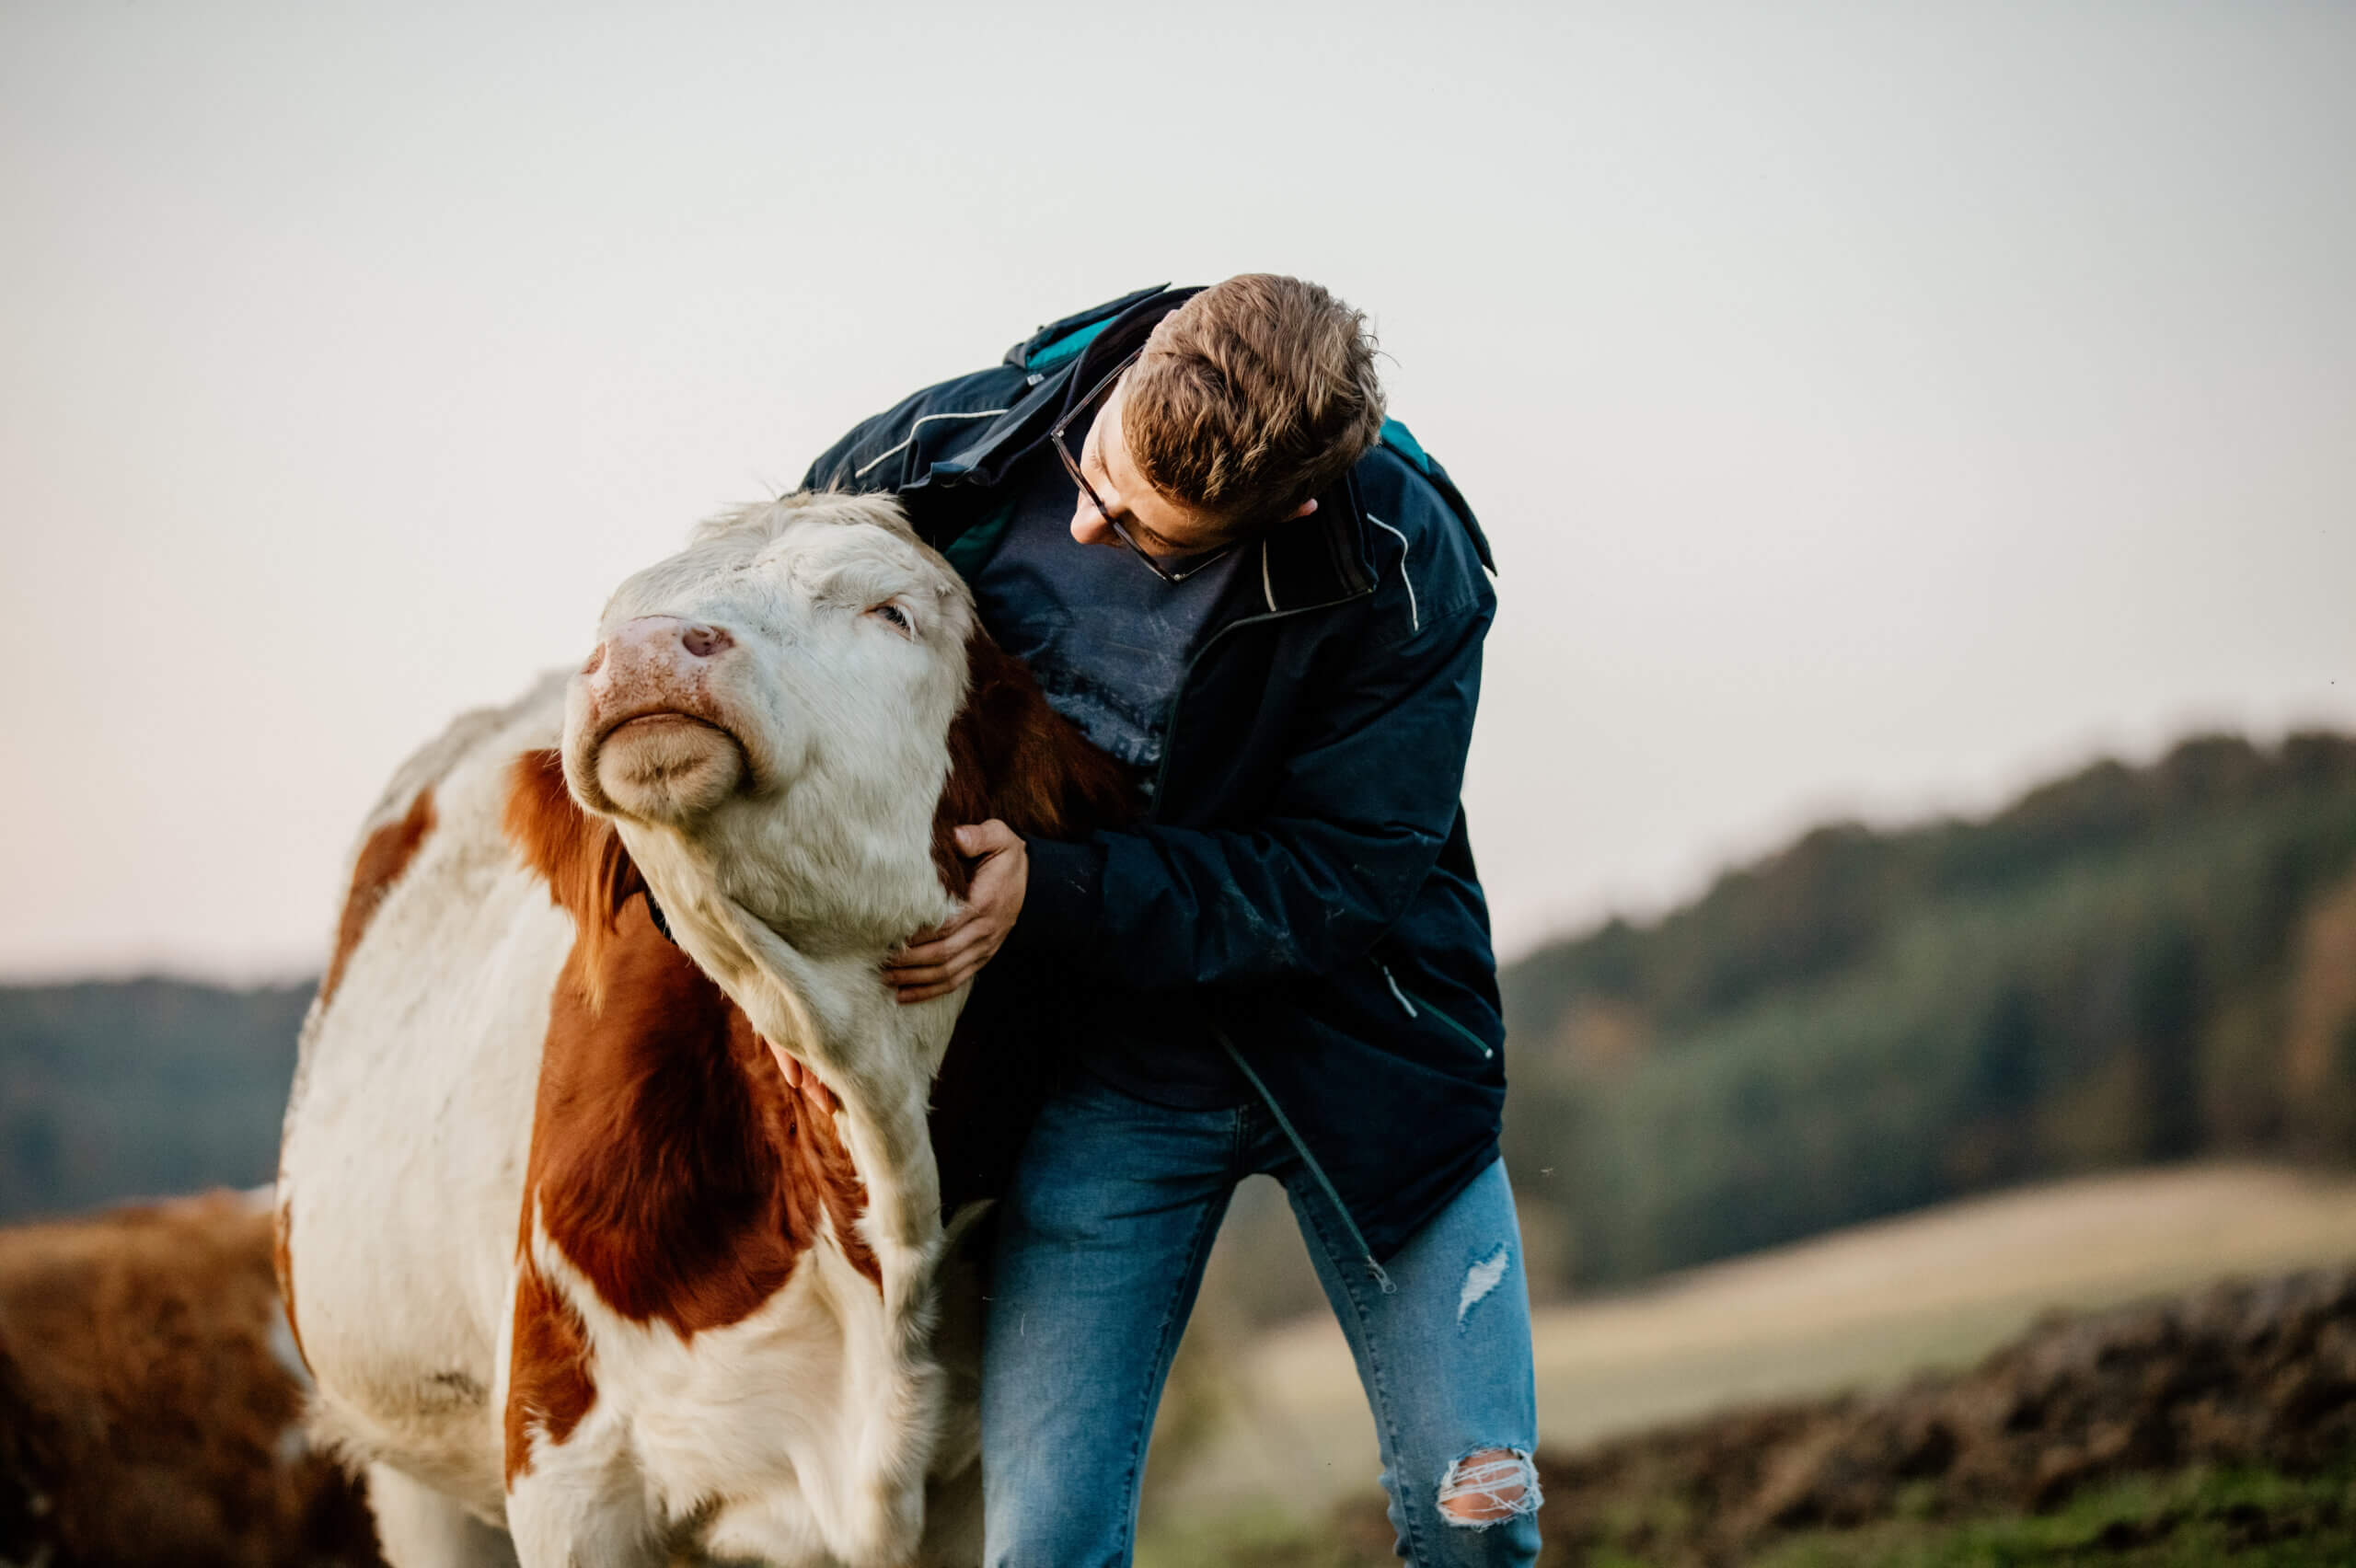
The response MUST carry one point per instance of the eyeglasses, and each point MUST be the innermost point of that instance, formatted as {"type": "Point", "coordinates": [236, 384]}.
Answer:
{"type": "Point", "coordinates": [1086, 408]}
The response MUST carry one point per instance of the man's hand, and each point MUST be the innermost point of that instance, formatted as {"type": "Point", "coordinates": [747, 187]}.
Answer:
{"type": "Point", "coordinates": [935, 963]}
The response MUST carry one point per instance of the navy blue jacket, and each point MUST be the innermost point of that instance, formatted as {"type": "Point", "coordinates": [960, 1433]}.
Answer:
{"type": "Point", "coordinates": [1303, 870]}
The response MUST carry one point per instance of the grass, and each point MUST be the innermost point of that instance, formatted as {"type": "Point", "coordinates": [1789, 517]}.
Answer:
{"type": "Point", "coordinates": [2257, 1517]}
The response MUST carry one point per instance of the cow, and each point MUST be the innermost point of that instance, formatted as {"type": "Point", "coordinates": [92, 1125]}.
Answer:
{"type": "Point", "coordinates": [609, 1217]}
{"type": "Point", "coordinates": [150, 1400]}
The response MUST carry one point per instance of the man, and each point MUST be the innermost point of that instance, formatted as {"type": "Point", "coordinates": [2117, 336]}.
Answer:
{"type": "Point", "coordinates": [1285, 966]}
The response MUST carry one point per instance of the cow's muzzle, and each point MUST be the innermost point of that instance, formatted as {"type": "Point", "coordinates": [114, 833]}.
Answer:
{"type": "Point", "coordinates": [654, 726]}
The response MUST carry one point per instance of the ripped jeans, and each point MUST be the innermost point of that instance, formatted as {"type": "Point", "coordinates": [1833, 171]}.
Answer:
{"type": "Point", "coordinates": [1100, 1252]}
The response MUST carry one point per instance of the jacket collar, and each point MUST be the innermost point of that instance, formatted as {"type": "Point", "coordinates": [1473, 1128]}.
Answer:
{"type": "Point", "coordinates": [1320, 559]}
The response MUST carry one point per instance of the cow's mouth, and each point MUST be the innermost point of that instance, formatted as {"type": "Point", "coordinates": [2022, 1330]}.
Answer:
{"type": "Point", "coordinates": [647, 723]}
{"type": "Point", "coordinates": [668, 765]}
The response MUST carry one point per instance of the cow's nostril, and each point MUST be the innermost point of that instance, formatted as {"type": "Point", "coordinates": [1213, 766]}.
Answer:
{"type": "Point", "coordinates": [596, 660]}
{"type": "Point", "coordinates": [703, 641]}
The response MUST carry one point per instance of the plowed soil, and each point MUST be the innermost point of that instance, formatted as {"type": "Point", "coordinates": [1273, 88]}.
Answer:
{"type": "Point", "coordinates": [2241, 1377]}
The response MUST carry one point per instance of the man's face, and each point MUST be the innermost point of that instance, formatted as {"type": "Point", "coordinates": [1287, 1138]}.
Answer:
{"type": "Point", "coordinates": [1161, 526]}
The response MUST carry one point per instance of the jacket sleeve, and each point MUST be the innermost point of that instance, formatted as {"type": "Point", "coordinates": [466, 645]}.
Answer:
{"type": "Point", "coordinates": [1366, 803]}
{"type": "Point", "coordinates": [873, 454]}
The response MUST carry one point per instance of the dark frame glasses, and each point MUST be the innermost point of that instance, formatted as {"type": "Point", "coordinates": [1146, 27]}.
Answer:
{"type": "Point", "coordinates": [1093, 400]}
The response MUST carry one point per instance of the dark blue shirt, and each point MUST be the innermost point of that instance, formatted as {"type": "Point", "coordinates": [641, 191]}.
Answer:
{"type": "Point", "coordinates": [1108, 642]}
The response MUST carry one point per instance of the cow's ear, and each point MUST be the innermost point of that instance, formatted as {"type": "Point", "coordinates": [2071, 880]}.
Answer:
{"type": "Point", "coordinates": [590, 875]}
{"type": "Point", "coordinates": [1013, 758]}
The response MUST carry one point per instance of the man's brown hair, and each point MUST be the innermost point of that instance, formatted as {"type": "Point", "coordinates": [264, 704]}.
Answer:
{"type": "Point", "coordinates": [1253, 397]}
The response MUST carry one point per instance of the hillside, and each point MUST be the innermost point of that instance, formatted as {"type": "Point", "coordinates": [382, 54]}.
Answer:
{"type": "Point", "coordinates": [2125, 966]}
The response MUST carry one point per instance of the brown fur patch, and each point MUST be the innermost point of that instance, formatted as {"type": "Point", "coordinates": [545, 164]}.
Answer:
{"type": "Point", "coordinates": [142, 1401]}
{"type": "Point", "coordinates": [590, 875]}
{"type": "Point", "coordinates": [1013, 758]}
{"type": "Point", "coordinates": [670, 1160]}
{"type": "Point", "coordinates": [382, 860]}
{"type": "Point", "coordinates": [549, 1387]}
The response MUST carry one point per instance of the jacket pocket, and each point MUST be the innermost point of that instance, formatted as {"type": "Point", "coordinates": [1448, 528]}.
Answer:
{"type": "Point", "coordinates": [1416, 1008]}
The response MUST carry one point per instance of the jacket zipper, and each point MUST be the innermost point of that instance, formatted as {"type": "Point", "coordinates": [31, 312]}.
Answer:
{"type": "Point", "coordinates": [1268, 1097]}
{"type": "Point", "coordinates": [1300, 1147]}
{"type": "Point", "coordinates": [1408, 1005]}
{"type": "Point", "coordinates": [1178, 701]}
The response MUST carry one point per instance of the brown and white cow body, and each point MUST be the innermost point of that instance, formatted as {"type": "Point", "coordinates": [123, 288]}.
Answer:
{"type": "Point", "coordinates": [631, 1245]}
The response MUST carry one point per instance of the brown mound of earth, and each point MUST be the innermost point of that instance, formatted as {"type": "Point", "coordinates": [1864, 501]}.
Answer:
{"type": "Point", "coordinates": [2239, 1372]}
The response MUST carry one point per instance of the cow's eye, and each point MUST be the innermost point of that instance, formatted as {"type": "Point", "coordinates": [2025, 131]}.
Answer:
{"type": "Point", "coordinates": [896, 616]}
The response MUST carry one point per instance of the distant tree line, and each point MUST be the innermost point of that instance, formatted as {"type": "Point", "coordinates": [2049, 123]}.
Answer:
{"type": "Point", "coordinates": [138, 1089]}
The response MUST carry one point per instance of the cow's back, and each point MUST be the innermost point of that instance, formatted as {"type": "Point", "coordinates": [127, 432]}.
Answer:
{"type": "Point", "coordinates": [402, 1166]}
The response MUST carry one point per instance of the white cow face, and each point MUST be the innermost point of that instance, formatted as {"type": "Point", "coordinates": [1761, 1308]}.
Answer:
{"type": "Point", "coordinates": [775, 700]}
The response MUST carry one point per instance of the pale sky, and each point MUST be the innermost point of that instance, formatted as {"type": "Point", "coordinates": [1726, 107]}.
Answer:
{"type": "Point", "coordinates": [1875, 407]}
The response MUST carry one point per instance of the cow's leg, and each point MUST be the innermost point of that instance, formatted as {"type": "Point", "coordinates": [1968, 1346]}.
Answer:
{"type": "Point", "coordinates": [419, 1528]}
{"type": "Point", "coordinates": [584, 1504]}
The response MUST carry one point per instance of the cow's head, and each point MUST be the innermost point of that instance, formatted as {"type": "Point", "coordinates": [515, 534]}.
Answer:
{"type": "Point", "coordinates": [801, 704]}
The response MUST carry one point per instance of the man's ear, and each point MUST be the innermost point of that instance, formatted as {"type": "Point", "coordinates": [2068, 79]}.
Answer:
{"type": "Point", "coordinates": [1013, 758]}
{"type": "Point", "coordinates": [1304, 509]}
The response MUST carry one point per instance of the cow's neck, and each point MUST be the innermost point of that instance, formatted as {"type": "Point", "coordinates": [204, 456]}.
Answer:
{"type": "Point", "coordinates": [830, 1010]}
